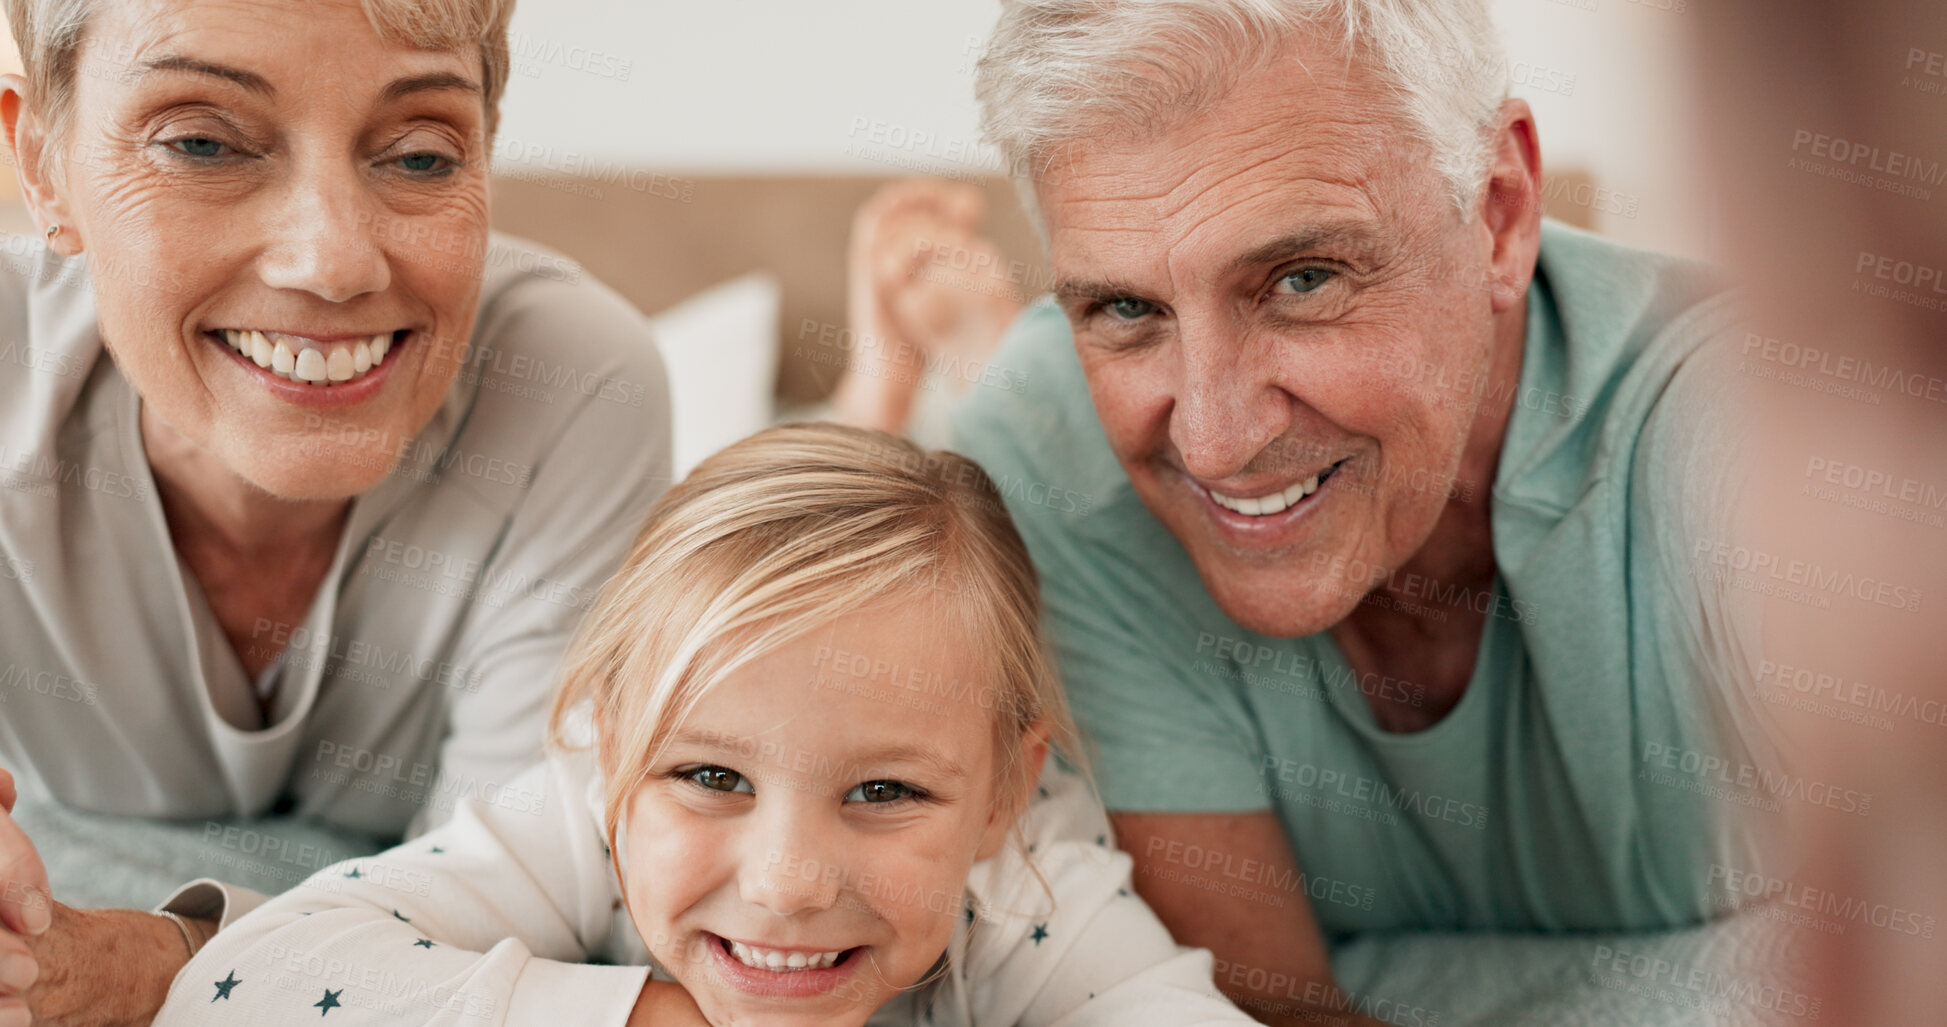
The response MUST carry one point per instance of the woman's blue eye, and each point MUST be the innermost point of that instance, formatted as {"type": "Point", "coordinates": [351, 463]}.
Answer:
{"type": "Point", "coordinates": [200, 146]}
{"type": "Point", "coordinates": [881, 791]}
{"type": "Point", "coordinates": [1306, 279]}
{"type": "Point", "coordinates": [718, 779]}
{"type": "Point", "coordinates": [422, 162]}
{"type": "Point", "coordinates": [1130, 309]}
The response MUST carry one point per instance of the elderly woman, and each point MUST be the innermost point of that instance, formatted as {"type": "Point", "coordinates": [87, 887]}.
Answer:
{"type": "Point", "coordinates": [305, 480]}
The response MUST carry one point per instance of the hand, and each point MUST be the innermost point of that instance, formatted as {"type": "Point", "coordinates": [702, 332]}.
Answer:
{"type": "Point", "coordinates": [666, 1004]}
{"type": "Point", "coordinates": [26, 912]}
{"type": "Point", "coordinates": [921, 283]}
{"type": "Point", "coordinates": [106, 967]}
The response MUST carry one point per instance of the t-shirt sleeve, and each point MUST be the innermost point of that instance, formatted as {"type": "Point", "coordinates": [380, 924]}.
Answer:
{"type": "Point", "coordinates": [1067, 942]}
{"type": "Point", "coordinates": [1165, 727]}
{"type": "Point", "coordinates": [1690, 462]}
{"type": "Point", "coordinates": [585, 503]}
{"type": "Point", "coordinates": [486, 920]}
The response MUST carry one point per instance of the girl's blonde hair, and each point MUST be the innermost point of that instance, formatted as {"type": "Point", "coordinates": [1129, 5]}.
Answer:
{"type": "Point", "coordinates": [786, 531]}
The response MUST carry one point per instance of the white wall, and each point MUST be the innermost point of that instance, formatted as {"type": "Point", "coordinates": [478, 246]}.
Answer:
{"type": "Point", "coordinates": [884, 86]}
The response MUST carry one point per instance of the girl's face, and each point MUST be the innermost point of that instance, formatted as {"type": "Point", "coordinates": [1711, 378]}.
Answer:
{"type": "Point", "coordinates": [800, 851]}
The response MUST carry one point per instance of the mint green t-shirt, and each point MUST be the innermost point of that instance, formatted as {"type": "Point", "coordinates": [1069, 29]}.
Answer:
{"type": "Point", "coordinates": [1586, 779]}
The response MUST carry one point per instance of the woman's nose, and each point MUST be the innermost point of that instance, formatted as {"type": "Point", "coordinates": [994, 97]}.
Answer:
{"type": "Point", "coordinates": [323, 240]}
{"type": "Point", "coordinates": [791, 866]}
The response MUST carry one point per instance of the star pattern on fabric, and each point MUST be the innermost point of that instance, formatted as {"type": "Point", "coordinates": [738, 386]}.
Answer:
{"type": "Point", "coordinates": [353, 873]}
{"type": "Point", "coordinates": [1040, 934]}
{"type": "Point", "coordinates": [329, 1002]}
{"type": "Point", "coordinates": [437, 851]}
{"type": "Point", "coordinates": [401, 917]}
{"type": "Point", "coordinates": [424, 943]}
{"type": "Point", "coordinates": [223, 986]}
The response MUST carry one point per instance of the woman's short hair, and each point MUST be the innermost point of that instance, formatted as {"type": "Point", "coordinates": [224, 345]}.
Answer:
{"type": "Point", "coordinates": [49, 34]}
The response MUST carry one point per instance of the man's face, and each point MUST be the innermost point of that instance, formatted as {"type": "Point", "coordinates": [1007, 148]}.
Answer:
{"type": "Point", "coordinates": [1278, 296]}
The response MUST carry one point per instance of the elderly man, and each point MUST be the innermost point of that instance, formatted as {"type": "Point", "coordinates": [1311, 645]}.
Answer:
{"type": "Point", "coordinates": [1389, 571]}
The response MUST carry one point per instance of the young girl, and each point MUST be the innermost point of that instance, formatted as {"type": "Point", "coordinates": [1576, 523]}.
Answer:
{"type": "Point", "coordinates": [798, 777]}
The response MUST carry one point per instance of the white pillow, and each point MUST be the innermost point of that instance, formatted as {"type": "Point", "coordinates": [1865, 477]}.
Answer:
{"type": "Point", "coordinates": [721, 349]}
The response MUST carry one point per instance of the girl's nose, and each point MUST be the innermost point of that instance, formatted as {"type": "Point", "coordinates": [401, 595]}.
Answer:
{"type": "Point", "coordinates": [791, 864]}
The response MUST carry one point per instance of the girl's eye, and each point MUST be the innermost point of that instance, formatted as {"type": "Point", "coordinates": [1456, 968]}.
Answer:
{"type": "Point", "coordinates": [1129, 309]}
{"type": "Point", "coordinates": [199, 146]}
{"type": "Point", "coordinates": [1304, 280]}
{"type": "Point", "coordinates": [423, 163]}
{"type": "Point", "coordinates": [718, 779]}
{"type": "Point", "coordinates": [882, 791]}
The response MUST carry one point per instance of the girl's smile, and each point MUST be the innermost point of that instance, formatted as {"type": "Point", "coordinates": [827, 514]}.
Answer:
{"type": "Point", "coordinates": [801, 844]}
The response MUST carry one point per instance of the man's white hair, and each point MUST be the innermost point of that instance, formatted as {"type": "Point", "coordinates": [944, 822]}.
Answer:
{"type": "Point", "coordinates": [1059, 71]}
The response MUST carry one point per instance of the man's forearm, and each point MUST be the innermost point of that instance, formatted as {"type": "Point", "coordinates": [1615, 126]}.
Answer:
{"type": "Point", "coordinates": [108, 967]}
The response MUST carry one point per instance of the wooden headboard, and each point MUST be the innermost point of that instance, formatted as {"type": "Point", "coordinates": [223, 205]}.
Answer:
{"type": "Point", "coordinates": [672, 237]}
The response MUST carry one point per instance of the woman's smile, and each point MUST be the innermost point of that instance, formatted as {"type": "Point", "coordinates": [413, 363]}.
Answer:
{"type": "Point", "coordinates": [334, 372]}
{"type": "Point", "coordinates": [313, 361]}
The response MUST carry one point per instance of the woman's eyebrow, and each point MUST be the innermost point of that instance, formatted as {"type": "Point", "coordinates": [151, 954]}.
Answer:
{"type": "Point", "coordinates": [424, 83]}
{"type": "Point", "coordinates": [175, 62]}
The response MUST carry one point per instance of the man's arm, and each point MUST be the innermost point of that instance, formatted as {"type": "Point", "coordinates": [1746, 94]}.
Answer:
{"type": "Point", "coordinates": [1271, 958]}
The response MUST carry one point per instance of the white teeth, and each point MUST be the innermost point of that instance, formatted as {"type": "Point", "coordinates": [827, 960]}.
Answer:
{"type": "Point", "coordinates": [311, 367]}
{"type": "Point", "coordinates": [778, 962]}
{"type": "Point", "coordinates": [1277, 502]}
{"type": "Point", "coordinates": [338, 366]}
{"type": "Point", "coordinates": [306, 360]}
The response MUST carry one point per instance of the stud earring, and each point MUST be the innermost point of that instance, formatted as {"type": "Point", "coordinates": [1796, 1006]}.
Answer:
{"type": "Point", "coordinates": [52, 231]}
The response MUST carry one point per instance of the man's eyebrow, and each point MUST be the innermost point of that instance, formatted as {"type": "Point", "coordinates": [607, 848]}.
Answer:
{"type": "Point", "coordinates": [1068, 290]}
{"type": "Point", "coordinates": [174, 62]}
{"type": "Point", "coordinates": [423, 83]}
{"type": "Point", "coordinates": [1301, 241]}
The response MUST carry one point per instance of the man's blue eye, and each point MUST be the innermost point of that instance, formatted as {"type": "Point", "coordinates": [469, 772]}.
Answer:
{"type": "Point", "coordinates": [200, 147]}
{"type": "Point", "coordinates": [1130, 310]}
{"type": "Point", "coordinates": [421, 162]}
{"type": "Point", "coordinates": [718, 779]}
{"type": "Point", "coordinates": [1306, 279]}
{"type": "Point", "coordinates": [881, 791]}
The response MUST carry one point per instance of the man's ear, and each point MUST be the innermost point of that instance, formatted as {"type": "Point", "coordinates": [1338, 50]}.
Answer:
{"type": "Point", "coordinates": [1017, 788]}
{"type": "Point", "coordinates": [1511, 204]}
{"type": "Point", "coordinates": [27, 138]}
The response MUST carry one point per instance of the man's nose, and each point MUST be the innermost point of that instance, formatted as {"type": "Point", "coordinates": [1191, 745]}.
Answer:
{"type": "Point", "coordinates": [1228, 405]}
{"type": "Point", "coordinates": [322, 237]}
{"type": "Point", "coordinates": [791, 864]}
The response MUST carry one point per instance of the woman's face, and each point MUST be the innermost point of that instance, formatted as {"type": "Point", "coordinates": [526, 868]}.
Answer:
{"type": "Point", "coordinates": [285, 218]}
{"type": "Point", "coordinates": [800, 852]}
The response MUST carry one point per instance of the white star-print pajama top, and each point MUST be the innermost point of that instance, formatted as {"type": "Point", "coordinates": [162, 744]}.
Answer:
{"type": "Point", "coordinates": [510, 914]}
